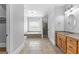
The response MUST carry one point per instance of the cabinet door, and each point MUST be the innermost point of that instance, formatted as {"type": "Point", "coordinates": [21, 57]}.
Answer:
{"type": "Point", "coordinates": [69, 52]}
{"type": "Point", "coordinates": [59, 41]}
{"type": "Point", "coordinates": [64, 43]}
{"type": "Point", "coordinates": [72, 41]}
{"type": "Point", "coordinates": [71, 45]}
{"type": "Point", "coordinates": [71, 48]}
{"type": "Point", "coordinates": [78, 47]}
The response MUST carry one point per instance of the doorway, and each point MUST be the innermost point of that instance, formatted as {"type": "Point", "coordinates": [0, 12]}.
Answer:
{"type": "Point", "coordinates": [3, 28]}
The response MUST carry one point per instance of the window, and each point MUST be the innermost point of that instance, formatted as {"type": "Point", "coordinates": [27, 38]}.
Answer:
{"type": "Point", "coordinates": [34, 24]}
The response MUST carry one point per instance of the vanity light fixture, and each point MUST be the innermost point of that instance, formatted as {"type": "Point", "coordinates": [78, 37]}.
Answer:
{"type": "Point", "coordinates": [71, 9]}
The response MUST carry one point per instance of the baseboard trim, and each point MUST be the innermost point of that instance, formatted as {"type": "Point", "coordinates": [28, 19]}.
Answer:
{"type": "Point", "coordinates": [18, 49]}
{"type": "Point", "coordinates": [51, 41]}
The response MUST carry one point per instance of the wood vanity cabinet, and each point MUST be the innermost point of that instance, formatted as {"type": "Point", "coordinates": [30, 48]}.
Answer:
{"type": "Point", "coordinates": [67, 44]}
{"type": "Point", "coordinates": [71, 45]}
{"type": "Point", "coordinates": [61, 42]}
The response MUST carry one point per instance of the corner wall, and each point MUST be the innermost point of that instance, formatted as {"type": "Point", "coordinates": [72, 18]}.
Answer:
{"type": "Point", "coordinates": [51, 25]}
{"type": "Point", "coordinates": [55, 22]}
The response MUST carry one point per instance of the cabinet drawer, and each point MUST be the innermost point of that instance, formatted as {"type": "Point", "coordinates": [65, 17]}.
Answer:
{"type": "Point", "coordinates": [71, 48]}
{"type": "Point", "coordinates": [63, 36]}
{"type": "Point", "coordinates": [69, 52]}
{"type": "Point", "coordinates": [78, 47]}
{"type": "Point", "coordinates": [71, 41]}
{"type": "Point", "coordinates": [58, 41]}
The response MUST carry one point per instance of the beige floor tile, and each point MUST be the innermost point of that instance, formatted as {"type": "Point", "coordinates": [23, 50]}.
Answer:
{"type": "Point", "coordinates": [39, 46]}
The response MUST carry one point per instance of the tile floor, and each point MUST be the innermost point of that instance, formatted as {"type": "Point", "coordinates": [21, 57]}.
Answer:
{"type": "Point", "coordinates": [39, 46]}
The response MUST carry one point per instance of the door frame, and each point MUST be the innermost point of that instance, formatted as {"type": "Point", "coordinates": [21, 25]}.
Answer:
{"type": "Point", "coordinates": [9, 28]}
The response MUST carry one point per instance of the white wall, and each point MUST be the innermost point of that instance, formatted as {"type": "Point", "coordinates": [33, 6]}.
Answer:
{"type": "Point", "coordinates": [59, 16]}
{"type": "Point", "coordinates": [51, 26]}
{"type": "Point", "coordinates": [16, 27]}
{"type": "Point", "coordinates": [55, 22]}
{"type": "Point", "coordinates": [25, 24]}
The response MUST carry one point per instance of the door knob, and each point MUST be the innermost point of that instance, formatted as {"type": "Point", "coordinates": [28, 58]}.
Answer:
{"type": "Point", "coordinates": [6, 35]}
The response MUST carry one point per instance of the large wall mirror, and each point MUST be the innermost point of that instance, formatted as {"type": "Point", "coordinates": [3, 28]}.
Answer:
{"type": "Point", "coordinates": [71, 22]}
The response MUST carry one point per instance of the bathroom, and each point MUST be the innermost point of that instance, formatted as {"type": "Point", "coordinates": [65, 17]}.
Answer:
{"type": "Point", "coordinates": [63, 19]}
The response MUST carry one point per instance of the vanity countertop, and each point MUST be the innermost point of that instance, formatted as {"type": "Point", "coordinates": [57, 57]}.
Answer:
{"type": "Point", "coordinates": [73, 35]}
{"type": "Point", "coordinates": [76, 36]}
{"type": "Point", "coordinates": [63, 32]}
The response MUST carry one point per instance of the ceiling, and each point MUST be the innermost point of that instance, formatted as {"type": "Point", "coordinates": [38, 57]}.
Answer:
{"type": "Point", "coordinates": [39, 9]}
